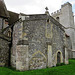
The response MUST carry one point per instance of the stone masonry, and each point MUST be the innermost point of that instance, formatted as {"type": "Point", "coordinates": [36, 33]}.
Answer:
{"type": "Point", "coordinates": [65, 17]}
{"type": "Point", "coordinates": [4, 50]}
{"type": "Point", "coordinates": [37, 41]}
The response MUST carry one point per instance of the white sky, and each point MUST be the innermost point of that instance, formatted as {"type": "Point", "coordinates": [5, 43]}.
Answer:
{"type": "Point", "coordinates": [36, 6]}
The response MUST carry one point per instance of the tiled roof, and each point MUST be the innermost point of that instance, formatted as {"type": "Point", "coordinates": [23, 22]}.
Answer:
{"type": "Point", "coordinates": [13, 17]}
{"type": "Point", "coordinates": [3, 9]}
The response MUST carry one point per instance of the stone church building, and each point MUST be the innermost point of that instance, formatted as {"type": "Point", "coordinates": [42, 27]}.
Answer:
{"type": "Point", "coordinates": [66, 18]}
{"type": "Point", "coordinates": [33, 41]}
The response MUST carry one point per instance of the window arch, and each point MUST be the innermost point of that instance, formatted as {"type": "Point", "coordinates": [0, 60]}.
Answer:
{"type": "Point", "coordinates": [58, 57]}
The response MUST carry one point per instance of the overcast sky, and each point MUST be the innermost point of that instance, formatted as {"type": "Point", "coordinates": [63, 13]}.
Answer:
{"type": "Point", "coordinates": [36, 6]}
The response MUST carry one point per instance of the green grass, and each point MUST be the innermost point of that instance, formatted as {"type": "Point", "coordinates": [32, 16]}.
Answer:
{"type": "Point", "coordinates": [59, 70]}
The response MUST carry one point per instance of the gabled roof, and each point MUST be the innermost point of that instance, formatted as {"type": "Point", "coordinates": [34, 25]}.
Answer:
{"type": "Point", "coordinates": [3, 10]}
{"type": "Point", "coordinates": [13, 17]}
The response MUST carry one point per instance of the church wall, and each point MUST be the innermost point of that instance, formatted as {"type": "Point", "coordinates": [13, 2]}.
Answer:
{"type": "Point", "coordinates": [17, 34]}
{"type": "Point", "coordinates": [22, 62]}
{"type": "Point", "coordinates": [37, 43]}
{"type": "Point", "coordinates": [57, 43]}
{"type": "Point", "coordinates": [69, 46]}
{"type": "Point", "coordinates": [66, 18]}
{"type": "Point", "coordinates": [41, 38]}
{"type": "Point", "coordinates": [4, 51]}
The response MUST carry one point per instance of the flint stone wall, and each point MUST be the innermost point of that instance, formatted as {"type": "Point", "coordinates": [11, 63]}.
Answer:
{"type": "Point", "coordinates": [69, 47]}
{"type": "Point", "coordinates": [4, 50]}
{"type": "Point", "coordinates": [39, 31]}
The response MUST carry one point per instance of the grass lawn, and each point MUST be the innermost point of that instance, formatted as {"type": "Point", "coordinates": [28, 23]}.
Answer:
{"type": "Point", "coordinates": [59, 70]}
